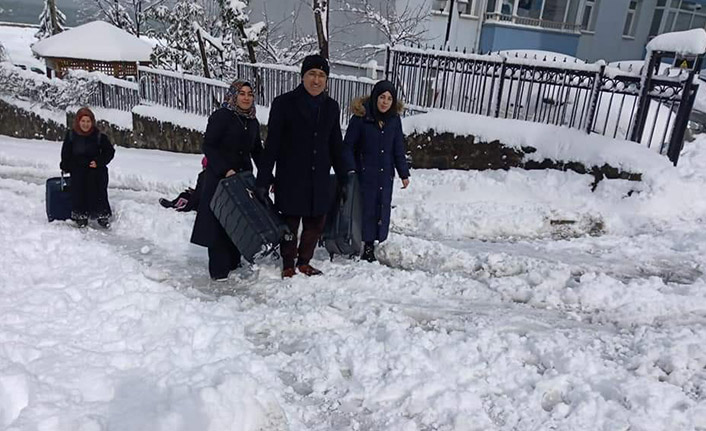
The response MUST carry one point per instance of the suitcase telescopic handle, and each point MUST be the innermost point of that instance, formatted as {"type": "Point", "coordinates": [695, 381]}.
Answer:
{"type": "Point", "coordinates": [62, 184]}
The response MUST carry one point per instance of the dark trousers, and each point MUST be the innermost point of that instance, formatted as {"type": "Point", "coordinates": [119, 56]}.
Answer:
{"type": "Point", "coordinates": [89, 193]}
{"type": "Point", "coordinates": [312, 228]}
{"type": "Point", "coordinates": [223, 256]}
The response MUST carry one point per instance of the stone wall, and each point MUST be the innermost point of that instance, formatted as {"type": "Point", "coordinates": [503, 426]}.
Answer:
{"type": "Point", "coordinates": [118, 136]}
{"type": "Point", "coordinates": [152, 133]}
{"type": "Point", "coordinates": [430, 150]}
{"type": "Point", "coordinates": [17, 122]}
{"type": "Point", "coordinates": [159, 135]}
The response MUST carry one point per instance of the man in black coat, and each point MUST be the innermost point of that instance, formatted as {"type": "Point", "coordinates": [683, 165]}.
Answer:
{"type": "Point", "coordinates": [303, 141]}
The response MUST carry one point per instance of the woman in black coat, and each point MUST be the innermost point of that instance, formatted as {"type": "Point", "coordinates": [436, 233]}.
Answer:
{"type": "Point", "coordinates": [231, 143]}
{"type": "Point", "coordinates": [86, 153]}
{"type": "Point", "coordinates": [375, 140]}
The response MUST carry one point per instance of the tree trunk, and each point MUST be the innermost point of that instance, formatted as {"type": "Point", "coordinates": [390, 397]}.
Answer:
{"type": "Point", "coordinates": [138, 17]}
{"type": "Point", "coordinates": [204, 59]}
{"type": "Point", "coordinates": [248, 45]}
{"type": "Point", "coordinates": [321, 16]}
{"type": "Point", "coordinates": [52, 15]}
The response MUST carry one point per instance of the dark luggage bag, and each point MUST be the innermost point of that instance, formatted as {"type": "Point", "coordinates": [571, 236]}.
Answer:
{"type": "Point", "coordinates": [254, 227]}
{"type": "Point", "coordinates": [343, 230]}
{"type": "Point", "coordinates": [58, 198]}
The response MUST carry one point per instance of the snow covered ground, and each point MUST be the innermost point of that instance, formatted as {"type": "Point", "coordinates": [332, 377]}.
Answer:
{"type": "Point", "coordinates": [490, 313]}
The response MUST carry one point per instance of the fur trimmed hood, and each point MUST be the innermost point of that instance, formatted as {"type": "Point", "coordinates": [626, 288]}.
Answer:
{"type": "Point", "coordinates": [358, 106]}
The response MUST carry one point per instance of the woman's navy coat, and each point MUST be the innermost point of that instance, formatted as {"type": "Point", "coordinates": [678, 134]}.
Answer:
{"type": "Point", "coordinates": [227, 145]}
{"type": "Point", "coordinates": [377, 153]}
{"type": "Point", "coordinates": [304, 145]}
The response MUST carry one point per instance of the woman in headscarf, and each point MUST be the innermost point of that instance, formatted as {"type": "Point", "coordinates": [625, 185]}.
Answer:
{"type": "Point", "coordinates": [231, 143]}
{"type": "Point", "coordinates": [86, 153]}
{"type": "Point", "coordinates": [374, 138]}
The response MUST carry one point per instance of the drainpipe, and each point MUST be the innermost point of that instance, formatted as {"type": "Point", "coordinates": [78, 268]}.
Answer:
{"type": "Point", "coordinates": [481, 20]}
{"type": "Point", "coordinates": [448, 24]}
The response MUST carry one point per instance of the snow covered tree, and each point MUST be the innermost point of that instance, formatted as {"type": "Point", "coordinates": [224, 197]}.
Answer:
{"type": "Point", "coordinates": [178, 47]}
{"type": "Point", "coordinates": [3, 53]}
{"type": "Point", "coordinates": [51, 20]}
{"type": "Point", "coordinates": [321, 19]}
{"type": "Point", "coordinates": [130, 15]}
{"type": "Point", "coordinates": [118, 15]}
{"type": "Point", "coordinates": [237, 31]}
{"type": "Point", "coordinates": [397, 25]}
{"type": "Point", "coordinates": [286, 48]}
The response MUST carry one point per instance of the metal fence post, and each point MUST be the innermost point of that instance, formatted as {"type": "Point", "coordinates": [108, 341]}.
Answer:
{"type": "Point", "coordinates": [387, 62]}
{"type": "Point", "coordinates": [681, 122]}
{"type": "Point", "coordinates": [501, 84]}
{"type": "Point", "coordinates": [595, 94]}
{"type": "Point", "coordinates": [644, 101]}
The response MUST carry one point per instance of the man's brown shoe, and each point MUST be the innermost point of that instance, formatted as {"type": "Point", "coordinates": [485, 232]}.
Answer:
{"type": "Point", "coordinates": [309, 270]}
{"type": "Point", "coordinates": [288, 273]}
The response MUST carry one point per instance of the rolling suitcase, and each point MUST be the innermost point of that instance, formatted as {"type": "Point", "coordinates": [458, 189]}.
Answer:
{"type": "Point", "coordinates": [58, 198]}
{"type": "Point", "coordinates": [343, 231]}
{"type": "Point", "coordinates": [255, 228]}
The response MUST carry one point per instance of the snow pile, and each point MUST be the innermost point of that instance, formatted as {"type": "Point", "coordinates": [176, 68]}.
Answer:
{"type": "Point", "coordinates": [115, 44]}
{"type": "Point", "coordinates": [682, 42]}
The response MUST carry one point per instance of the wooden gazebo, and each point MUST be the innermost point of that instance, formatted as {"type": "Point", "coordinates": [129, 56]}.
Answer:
{"type": "Point", "coordinates": [95, 46]}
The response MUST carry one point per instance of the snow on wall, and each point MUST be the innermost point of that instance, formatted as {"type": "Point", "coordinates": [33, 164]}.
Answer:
{"type": "Point", "coordinates": [682, 42]}
{"type": "Point", "coordinates": [552, 142]}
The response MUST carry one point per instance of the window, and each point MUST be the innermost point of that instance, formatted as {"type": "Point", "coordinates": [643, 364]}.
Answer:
{"type": "Point", "coordinates": [467, 7]}
{"type": "Point", "coordinates": [590, 10]}
{"type": "Point", "coordinates": [529, 8]}
{"type": "Point", "coordinates": [554, 10]}
{"type": "Point", "coordinates": [656, 22]}
{"type": "Point", "coordinates": [507, 7]}
{"type": "Point", "coordinates": [572, 11]}
{"type": "Point", "coordinates": [682, 15]}
{"type": "Point", "coordinates": [683, 21]}
{"type": "Point", "coordinates": [491, 6]}
{"type": "Point", "coordinates": [631, 19]}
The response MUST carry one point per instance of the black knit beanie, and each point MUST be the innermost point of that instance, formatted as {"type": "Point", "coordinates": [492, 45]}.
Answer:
{"type": "Point", "coordinates": [315, 62]}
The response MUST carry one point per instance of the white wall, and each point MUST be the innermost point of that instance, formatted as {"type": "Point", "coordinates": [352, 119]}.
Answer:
{"type": "Point", "coordinates": [607, 42]}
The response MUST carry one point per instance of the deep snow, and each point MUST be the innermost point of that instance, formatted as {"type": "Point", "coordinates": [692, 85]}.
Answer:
{"type": "Point", "coordinates": [487, 315]}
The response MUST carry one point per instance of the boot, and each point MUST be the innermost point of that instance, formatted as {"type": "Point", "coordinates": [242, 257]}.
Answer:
{"type": "Point", "coordinates": [288, 273]}
{"type": "Point", "coordinates": [82, 222]}
{"type": "Point", "coordinates": [369, 252]}
{"type": "Point", "coordinates": [104, 223]}
{"type": "Point", "coordinates": [308, 270]}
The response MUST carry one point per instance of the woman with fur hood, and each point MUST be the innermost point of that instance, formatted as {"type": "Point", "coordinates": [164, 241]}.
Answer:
{"type": "Point", "coordinates": [374, 139]}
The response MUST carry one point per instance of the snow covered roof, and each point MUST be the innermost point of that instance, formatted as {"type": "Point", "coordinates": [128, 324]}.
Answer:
{"type": "Point", "coordinates": [688, 42]}
{"type": "Point", "coordinates": [98, 41]}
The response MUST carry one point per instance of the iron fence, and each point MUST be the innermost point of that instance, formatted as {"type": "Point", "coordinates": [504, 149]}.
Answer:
{"type": "Point", "coordinates": [590, 97]}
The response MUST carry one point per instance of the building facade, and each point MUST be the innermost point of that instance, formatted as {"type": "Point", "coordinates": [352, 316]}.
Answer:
{"type": "Point", "coordinates": [612, 30]}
